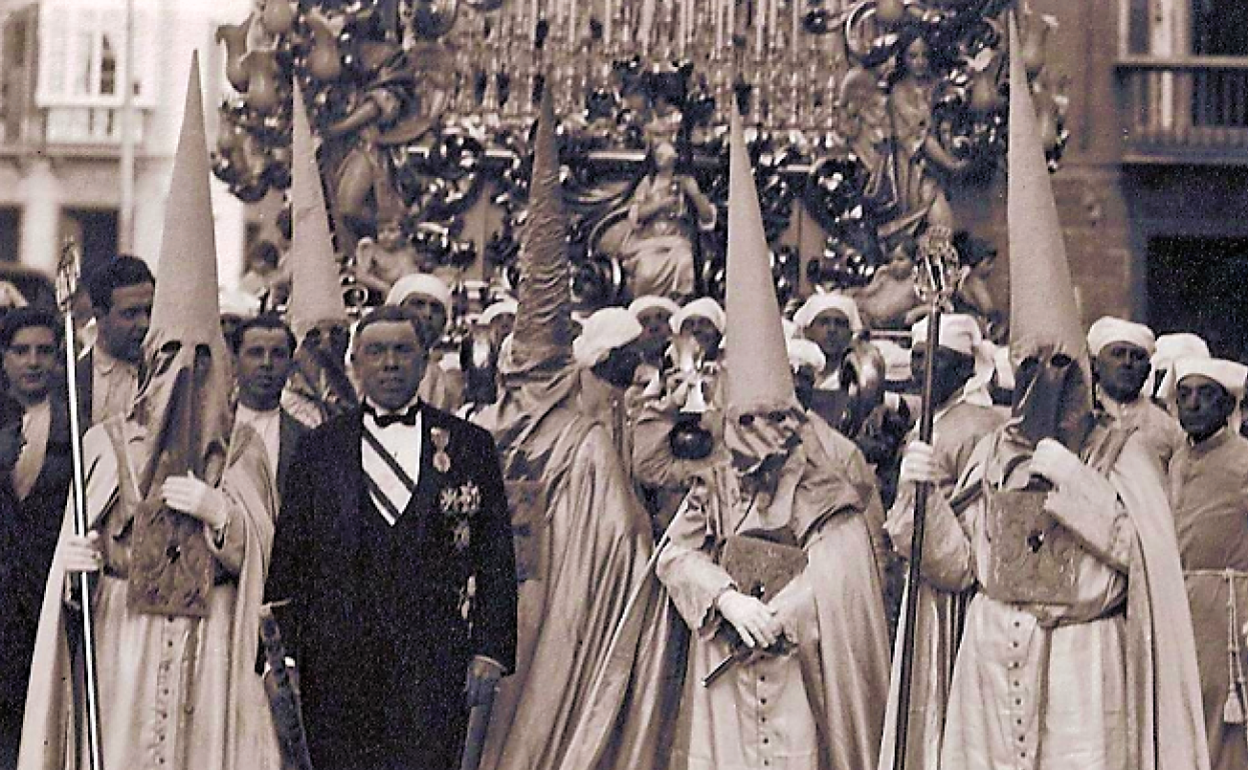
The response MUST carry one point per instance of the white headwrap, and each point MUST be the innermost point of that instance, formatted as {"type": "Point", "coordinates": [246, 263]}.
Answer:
{"type": "Point", "coordinates": [961, 332]}
{"type": "Point", "coordinates": [602, 332]}
{"type": "Point", "coordinates": [652, 302]}
{"type": "Point", "coordinates": [502, 307]}
{"type": "Point", "coordinates": [957, 332]}
{"type": "Point", "coordinates": [805, 353]}
{"type": "Point", "coordinates": [237, 302]}
{"type": "Point", "coordinates": [1231, 375]}
{"type": "Point", "coordinates": [703, 307]}
{"type": "Point", "coordinates": [425, 284]}
{"type": "Point", "coordinates": [818, 304]}
{"type": "Point", "coordinates": [1109, 329]}
{"type": "Point", "coordinates": [1171, 347]}
{"type": "Point", "coordinates": [896, 360]}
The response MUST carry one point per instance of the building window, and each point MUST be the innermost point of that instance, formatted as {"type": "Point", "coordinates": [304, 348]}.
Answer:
{"type": "Point", "coordinates": [82, 50]}
{"type": "Point", "coordinates": [1219, 27]}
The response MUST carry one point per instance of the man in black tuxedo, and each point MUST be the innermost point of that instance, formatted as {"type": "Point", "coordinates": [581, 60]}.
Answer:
{"type": "Point", "coordinates": [394, 551]}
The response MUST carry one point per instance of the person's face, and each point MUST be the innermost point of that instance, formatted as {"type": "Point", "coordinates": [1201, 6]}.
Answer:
{"type": "Point", "coordinates": [665, 157]}
{"type": "Point", "coordinates": [950, 371]}
{"type": "Point", "coordinates": [830, 330]}
{"type": "Point", "coordinates": [430, 313]}
{"type": "Point", "coordinates": [761, 439]}
{"type": "Point", "coordinates": [264, 363]}
{"type": "Point", "coordinates": [917, 58]}
{"type": "Point", "coordinates": [620, 366]}
{"type": "Point", "coordinates": [11, 443]}
{"type": "Point", "coordinates": [655, 333]}
{"type": "Point", "coordinates": [703, 330]}
{"type": "Point", "coordinates": [390, 236]}
{"type": "Point", "coordinates": [30, 363]}
{"type": "Point", "coordinates": [390, 360]}
{"type": "Point", "coordinates": [1121, 370]}
{"type": "Point", "coordinates": [125, 325]}
{"type": "Point", "coordinates": [1204, 406]}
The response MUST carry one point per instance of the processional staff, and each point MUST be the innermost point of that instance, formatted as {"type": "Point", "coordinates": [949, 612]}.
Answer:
{"type": "Point", "coordinates": [66, 285]}
{"type": "Point", "coordinates": [937, 270]}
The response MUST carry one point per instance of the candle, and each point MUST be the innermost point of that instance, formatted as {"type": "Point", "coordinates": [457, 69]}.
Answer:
{"type": "Point", "coordinates": [759, 18]}
{"type": "Point", "coordinates": [719, 25]}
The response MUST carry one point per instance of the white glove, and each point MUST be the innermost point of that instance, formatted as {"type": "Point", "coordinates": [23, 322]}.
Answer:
{"type": "Point", "coordinates": [1055, 462]}
{"type": "Point", "coordinates": [82, 554]}
{"type": "Point", "coordinates": [755, 622]}
{"type": "Point", "coordinates": [193, 497]}
{"type": "Point", "coordinates": [918, 465]}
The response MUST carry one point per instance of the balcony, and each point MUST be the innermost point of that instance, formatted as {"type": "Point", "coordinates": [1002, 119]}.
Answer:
{"type": "Point", "coordinates": [1184, 110]}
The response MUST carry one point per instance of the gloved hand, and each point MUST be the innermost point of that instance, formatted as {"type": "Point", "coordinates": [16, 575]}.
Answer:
{"type": "Point", "coordinates": [756, 623]}
{"type": "Point", "coordinates": [193, 497]}
{"type": "Point", "coordinates": [483, 676]}
{"type": "Point", "coordinates": [1056, 463]}
{"type": "Point", "coordinates": [918, 465]}
{"type": "Point", "coordinates": [82, 554]}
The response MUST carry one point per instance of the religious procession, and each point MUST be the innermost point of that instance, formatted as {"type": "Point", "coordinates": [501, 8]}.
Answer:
{"type": "Point", "coordinates": [657, 493]}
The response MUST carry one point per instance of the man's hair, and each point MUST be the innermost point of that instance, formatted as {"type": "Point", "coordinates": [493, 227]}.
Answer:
{"type": "Point", "coordinates": [24, 318]}
{"type": "Point", "coordinates": [388, 314]}
{"type": "Point", "coordinates": [266, 320]}
{"type": "Point", "coordinates": [124, 270]}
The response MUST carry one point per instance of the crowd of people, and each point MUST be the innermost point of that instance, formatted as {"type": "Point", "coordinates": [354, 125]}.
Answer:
{"type": "Point", "coordinates": [649, 544]}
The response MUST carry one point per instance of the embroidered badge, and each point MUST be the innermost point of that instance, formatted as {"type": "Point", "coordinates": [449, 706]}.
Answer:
{"type": "Point", "coordinates": [460, 504]}
{"type": "Point", "coordinates": [462, 535]}
{"type": "Point", "coordinates": [441, 440]}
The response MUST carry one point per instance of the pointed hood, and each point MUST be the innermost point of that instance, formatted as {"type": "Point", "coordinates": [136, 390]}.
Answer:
{"type": "Point", "coordinates": [1055, 399]}
{"type": "Point", "coordinates": [757, 363]}
{"type": "Point", "coordinates": [182, 417]}
{"type": "Point", "coordinates": [316, 289]}
{"type": "Point", "coordinates": [1042, 295]}
{"type": "Point", "coordinates": [542, 338]}
{"type": "Point", "coordinates": [185, 306]}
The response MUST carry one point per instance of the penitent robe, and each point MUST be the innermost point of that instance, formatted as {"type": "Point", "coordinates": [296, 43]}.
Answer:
{"type": "Point", "coordinates": [174, 692]}
{"type": "Point", "coordinates": [822, 706]}
{"type": "Point", "coordinates": [956, 431]}
{"type": "Point", "coordinates": [1103, 679]}
{"type": "Point", "coordinates": [1209, 494]}
{"type": "Point", "coordinates": [581, 552]}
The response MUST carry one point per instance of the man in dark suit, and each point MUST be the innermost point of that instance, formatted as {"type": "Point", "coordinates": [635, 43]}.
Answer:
{"type": "Point", "coordinates": [394, 553]}
{"type": "Point", "coordinates": [264, 349]}
{"type": "Point", "coordinates": [33, 488]}
{"type": "Point", "coordinates": [121, 293]}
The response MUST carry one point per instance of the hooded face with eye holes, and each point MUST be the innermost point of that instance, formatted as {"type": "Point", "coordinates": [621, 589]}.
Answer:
{"type": "Point", "coordinates": [1052, 397]}
{"type": "Point", "coordinates": [184, 405]}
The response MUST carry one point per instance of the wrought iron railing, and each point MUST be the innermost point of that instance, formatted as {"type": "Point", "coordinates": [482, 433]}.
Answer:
{"type": "Point", "coordinates": [1189, 109]}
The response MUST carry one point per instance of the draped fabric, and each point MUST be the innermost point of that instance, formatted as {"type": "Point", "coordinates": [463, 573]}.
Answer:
{"type": "Point", "coordinates": [220, 717]}
{"type": "Point", "coordinates": [1208, 484]}
{"type": "Point", "coordinates": [1108, 681]}
{"type": "Point", "coordinates": [820, 707]}
{"type": "Point", "coordinates": [940, 613]}
{"type": "Point", "coordinates": [594, 542]}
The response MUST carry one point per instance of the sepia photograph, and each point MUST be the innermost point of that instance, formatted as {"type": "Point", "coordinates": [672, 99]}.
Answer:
{"type": "Point", "coordinates": [623, 384]}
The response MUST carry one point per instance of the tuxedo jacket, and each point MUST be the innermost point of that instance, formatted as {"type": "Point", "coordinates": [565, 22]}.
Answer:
{"type": "Point", "coordinates": [328, 528]}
